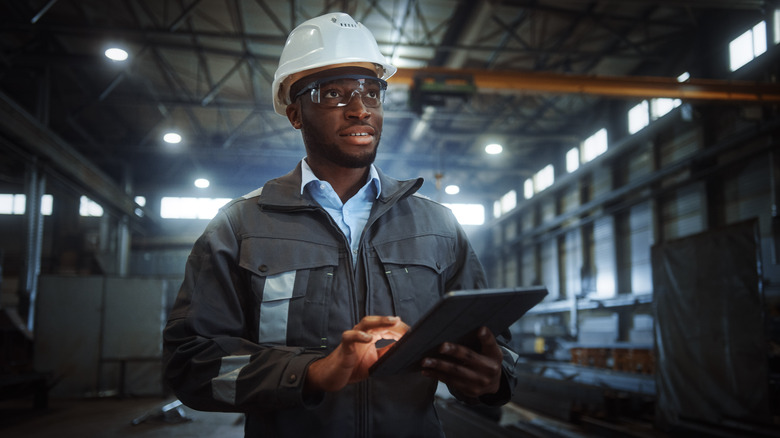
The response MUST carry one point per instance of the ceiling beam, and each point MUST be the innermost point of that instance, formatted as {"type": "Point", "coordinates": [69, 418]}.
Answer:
{"type": "Point", "coordinates": [30, 134]}
{"type": "Point", "coordinates": [612, 86]}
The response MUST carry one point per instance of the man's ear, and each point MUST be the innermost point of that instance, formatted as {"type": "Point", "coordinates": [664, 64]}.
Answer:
{"type": "Point", "coordinates": [294, 115]}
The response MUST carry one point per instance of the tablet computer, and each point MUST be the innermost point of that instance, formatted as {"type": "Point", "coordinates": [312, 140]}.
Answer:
{"type": "Point", "coordinates": [456, 318]}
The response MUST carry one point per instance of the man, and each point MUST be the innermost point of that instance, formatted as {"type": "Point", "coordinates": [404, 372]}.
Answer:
{"type": "Point", "coordinates": [289, 288]}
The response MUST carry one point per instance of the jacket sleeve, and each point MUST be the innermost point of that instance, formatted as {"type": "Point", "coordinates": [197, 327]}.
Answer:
{"type": "Point", "coordinates": [209, 360]}
{"type": "Point", "coordinates": [469, 274]}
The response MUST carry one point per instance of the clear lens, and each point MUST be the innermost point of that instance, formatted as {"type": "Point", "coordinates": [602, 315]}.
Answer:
{"type": "Point", "coordinates": [340, 91]}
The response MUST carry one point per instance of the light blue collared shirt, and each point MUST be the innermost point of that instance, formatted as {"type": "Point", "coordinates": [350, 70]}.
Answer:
{"type": "Point", "coordinates": [352, 216]}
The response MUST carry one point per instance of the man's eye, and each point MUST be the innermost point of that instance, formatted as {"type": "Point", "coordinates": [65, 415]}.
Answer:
{"type": "Point", "coordinates": [331, 94]}
{"type": "Point", "coordinates": [372, 94]}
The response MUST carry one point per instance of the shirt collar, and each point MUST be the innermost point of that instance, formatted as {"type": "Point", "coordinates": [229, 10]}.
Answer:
{"type": "Point", "coordinates": [308, 176]}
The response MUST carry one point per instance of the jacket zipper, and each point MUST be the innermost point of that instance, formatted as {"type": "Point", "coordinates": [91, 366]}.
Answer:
{"type": "Point", "coordinates": [362, 410]}
{"type": "Point", "coordinates": [363, 428]}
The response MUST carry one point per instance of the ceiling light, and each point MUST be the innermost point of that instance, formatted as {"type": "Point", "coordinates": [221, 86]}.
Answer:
{"type": "Point", "coordinates": [494, 149]}
{"type": "Point", "coordinates": [116, 54]}
{"type": "Point", "coordinates": [683, 77]}
{"type": "Point", "coordinates": [452, 189]}
{"type": "Point", "coordinates": [172, 138]}
{"type": "Point", "coordinates": [202, 183]}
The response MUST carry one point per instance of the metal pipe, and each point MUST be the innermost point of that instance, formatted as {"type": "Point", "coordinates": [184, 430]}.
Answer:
{"type": "Point", "coordinates": [42, 11]}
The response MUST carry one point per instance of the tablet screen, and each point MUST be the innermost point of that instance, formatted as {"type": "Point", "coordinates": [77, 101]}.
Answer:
{"type": "Point", "coordinates": [455, 318]}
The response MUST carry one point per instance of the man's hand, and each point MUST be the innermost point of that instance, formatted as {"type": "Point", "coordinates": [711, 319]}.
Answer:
{"type": "Point", "coordinates": [468, 373]}
{"type": "Point", "coordinates": [350, 361]}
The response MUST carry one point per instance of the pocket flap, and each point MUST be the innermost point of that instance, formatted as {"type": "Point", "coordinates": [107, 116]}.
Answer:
{"type": "Point", "coordinates": [433, 251]}
{"type": "Point", "coordinates": [267, 257]}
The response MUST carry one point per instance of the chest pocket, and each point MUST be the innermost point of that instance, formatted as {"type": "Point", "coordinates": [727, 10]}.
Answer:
{"type": "Point", "coordinates": [414, 270]}
{"type": "Point", "coordinates": [292, 282]}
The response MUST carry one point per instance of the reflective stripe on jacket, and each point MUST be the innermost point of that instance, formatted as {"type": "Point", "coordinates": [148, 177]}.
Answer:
{"type": "Point", "coordinates": [270, 286]}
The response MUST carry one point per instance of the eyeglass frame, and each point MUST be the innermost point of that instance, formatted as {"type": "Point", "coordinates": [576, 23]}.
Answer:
{"type": "Point", "coordinates": [315, 85]}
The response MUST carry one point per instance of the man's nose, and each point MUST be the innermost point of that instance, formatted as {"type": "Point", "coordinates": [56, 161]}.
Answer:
{"type": "Point", "coordinates": [355, 106]}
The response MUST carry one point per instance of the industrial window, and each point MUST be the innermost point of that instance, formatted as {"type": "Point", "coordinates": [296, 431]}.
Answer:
{"type": "Point", "coordinates": [89, 208]}
{"type": "Point", "coordinates": [646, 111]}
{"type": "Point", "coordinates": [540, 181]}
{"type": "Point", "coordinates": [16, 204]}
{"type": "Point", "coordinates": [638, 117]}
{"type": "Point", "coordinates": [528, 188]}
{"type": "Point", "coordinates": [572, 160]}
{"type": "Point", "coordinates": [544, 178]}
{"type": "Point", "coordinates": [594, 145]}
{"type": "Point", "coordinates": [777, 26]}
{"type": "Point", "coordinates": [660, 107]}
{"type": "Point", "coordinates": [748, 46]}
{"type": "Point", "coordinates": [468, 214]}
{"type": "Point", "coordinates": [190, 208]}
{"type": "Point", "coordinates": [505, 204]}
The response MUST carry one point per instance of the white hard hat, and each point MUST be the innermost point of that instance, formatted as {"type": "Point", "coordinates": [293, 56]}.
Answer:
{"type": "Point", "coordinates": [330, 40]}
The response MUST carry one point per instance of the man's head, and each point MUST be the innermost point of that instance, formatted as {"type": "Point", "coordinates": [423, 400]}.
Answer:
{"type": "Point", "coordinates": [330, 85]}
{"type": "Point", "coordinates": [339, 113]}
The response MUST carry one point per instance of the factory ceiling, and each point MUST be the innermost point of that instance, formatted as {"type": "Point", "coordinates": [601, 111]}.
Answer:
{"type": "Point", "coordinates": [537, 76]}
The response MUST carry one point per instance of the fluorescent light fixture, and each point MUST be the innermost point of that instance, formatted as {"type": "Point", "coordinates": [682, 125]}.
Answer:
{"type": "Point", "coordinates": [202, 183]}
{"type": "Point", "coordinates": [452, 189]}
{"type": "Point", "coordinates": [172, 137]}
{"type": "Point", "coordinates": [683, 77]}
{"type": "Point", "coordinates": [116, 54]}
{"type": "Point", "coordinates": [494, 149]}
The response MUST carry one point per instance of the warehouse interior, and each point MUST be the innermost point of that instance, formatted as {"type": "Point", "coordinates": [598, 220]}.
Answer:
{"type": "Point", "coordinates": [622, 153]}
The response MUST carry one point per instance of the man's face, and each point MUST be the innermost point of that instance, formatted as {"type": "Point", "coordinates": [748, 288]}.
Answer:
{"type": "Point", "coordinates": [345, 136]}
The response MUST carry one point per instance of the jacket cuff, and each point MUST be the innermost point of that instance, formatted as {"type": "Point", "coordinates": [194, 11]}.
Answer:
{"type": "Point", "coordinates": [502, 397]}
{"type": "Point", "coordinates": [291, 387]}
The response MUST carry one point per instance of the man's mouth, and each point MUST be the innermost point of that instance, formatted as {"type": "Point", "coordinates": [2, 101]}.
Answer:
{"type": "Point", "coordinates": [358, 131]}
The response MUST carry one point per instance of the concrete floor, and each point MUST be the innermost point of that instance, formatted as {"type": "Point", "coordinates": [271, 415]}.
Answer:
{"type": "Point", "coordinates": [113, 418]}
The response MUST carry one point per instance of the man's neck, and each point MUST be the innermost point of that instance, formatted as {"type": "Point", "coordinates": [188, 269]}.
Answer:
{"type": "Point", "coordinates": [346, 182]}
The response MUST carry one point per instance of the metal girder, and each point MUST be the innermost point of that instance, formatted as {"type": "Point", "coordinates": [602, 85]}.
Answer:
{"type": "Point", "coordinates": [613, 86]}
{"type": "Point", "coordinates": [42, 142]}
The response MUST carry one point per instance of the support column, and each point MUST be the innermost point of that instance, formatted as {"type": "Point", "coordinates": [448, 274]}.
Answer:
{"type": "Point", "coordinates": [35, 187]}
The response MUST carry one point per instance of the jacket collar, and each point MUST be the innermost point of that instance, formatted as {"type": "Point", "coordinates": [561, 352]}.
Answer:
{"type": "Point", "coordinates": [285, 191]}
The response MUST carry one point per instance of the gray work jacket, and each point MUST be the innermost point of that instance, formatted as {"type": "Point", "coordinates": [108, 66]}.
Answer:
{"type": "Point", "coordinates": [270, 286]}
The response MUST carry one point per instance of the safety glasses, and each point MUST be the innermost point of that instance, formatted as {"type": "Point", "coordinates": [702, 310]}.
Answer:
{"type": "Point", "coordinates": [338, 91]}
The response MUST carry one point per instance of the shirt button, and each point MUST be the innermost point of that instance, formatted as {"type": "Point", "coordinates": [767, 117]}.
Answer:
{"type": "Point", "coordinates": [354, 251]}
{"type": "Point", "coordinates": [292, 378]}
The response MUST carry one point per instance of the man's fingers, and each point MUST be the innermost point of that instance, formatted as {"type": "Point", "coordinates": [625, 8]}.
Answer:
{"type": "Point", "coordinates": [469, 372]}
{"type": "Point", "coordinates": [373, 322]}
{"type": "Point", "coordinates": [489, 344]}
{"type": "Point", "coordinates": [383, 327]}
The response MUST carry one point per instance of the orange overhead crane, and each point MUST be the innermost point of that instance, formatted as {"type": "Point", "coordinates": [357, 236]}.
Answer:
{"type": "Point", "coordinates": [615, 86]}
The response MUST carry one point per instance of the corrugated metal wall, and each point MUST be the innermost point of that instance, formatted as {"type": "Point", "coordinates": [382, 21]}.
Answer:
{"type": "Point", "coordinates": [661, 185]}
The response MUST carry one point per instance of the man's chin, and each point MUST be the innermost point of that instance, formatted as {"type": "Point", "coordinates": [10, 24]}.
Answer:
{"type": "Point", "coordinates": [356, 161]}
